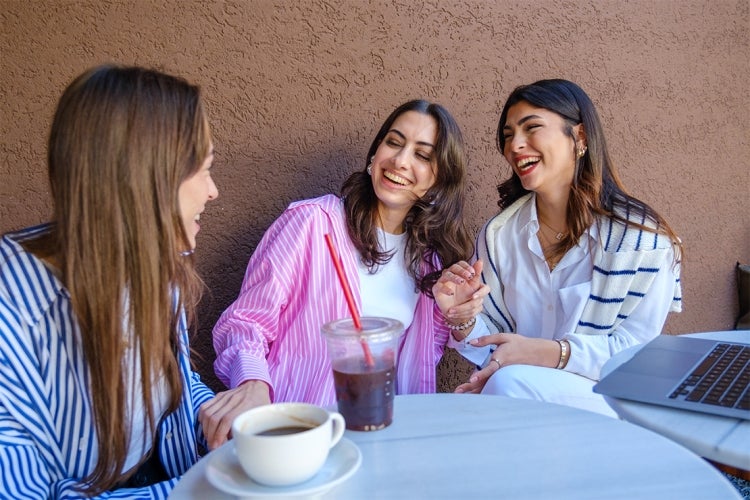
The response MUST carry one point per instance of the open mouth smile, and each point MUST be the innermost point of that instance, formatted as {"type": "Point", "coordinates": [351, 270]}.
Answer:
{"type": "Point", "coordinates": [527, 163]}
{"type": "Point", "coordinates": [395, 178]}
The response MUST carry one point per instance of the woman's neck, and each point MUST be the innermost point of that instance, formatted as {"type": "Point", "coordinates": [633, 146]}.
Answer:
{"type": "Point", "coordinates": [553, 212]}
{"type": "Point", "coordinates": [391, 222]}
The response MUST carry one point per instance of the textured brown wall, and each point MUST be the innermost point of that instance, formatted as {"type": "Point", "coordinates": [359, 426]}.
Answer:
{"type": "Point", "coordinates": [297, 89]}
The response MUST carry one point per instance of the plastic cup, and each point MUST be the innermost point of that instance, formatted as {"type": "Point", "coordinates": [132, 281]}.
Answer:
{"type": "Point", "coordinates": [364, 388]}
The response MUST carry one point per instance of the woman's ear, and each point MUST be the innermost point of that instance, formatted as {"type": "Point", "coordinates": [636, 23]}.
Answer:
{"type": "Point", "coordinates": [580, 146]}
{"type": "Point", "coordinates": [580, 134]}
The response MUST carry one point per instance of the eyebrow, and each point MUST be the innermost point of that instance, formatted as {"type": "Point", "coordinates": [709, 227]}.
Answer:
{"type": "Point", "coordinates": [523, 120]}
{"type": "Point", "coordinates": [422, 143]}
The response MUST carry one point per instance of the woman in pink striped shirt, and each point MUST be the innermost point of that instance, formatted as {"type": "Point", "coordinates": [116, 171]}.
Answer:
{"type": "Point", "coordinates": [397, 222]}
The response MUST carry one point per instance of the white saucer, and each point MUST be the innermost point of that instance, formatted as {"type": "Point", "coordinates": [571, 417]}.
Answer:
{"type": "Point", "coordinates": [225, 473]}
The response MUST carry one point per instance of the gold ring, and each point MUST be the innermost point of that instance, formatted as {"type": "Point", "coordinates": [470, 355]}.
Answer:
{"type": "Point", "coordinates": [498, 363]}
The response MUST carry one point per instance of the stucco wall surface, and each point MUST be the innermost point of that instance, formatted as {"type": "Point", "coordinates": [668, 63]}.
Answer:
{"type": "Point", "coordinates": [297, 89]}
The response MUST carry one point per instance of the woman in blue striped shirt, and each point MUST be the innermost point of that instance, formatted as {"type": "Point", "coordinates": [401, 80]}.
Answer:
{"type": "Point", "coordinates": [97, 397]}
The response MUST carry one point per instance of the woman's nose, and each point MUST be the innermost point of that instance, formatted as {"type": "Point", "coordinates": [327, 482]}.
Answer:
{"type": "Point", "coordinates": [517, 142]}
{"type": "Point", "coordinates": [400, 160]}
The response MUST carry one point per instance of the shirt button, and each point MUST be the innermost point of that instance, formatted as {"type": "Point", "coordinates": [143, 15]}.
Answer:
{"type": "Point", "coordinates": [168, 435]}
{"type": "Point", "coordinates": [549, 307]}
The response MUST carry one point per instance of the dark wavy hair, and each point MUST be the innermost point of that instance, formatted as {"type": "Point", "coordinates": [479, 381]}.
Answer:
{"type": "Point", "coordinates": [596, 188]}
{"type": "Point", "coordinates": [435, 224]}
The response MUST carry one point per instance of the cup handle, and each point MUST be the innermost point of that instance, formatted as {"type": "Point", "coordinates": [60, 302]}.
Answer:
{"type": "Point", "coordinates": [338, 425]}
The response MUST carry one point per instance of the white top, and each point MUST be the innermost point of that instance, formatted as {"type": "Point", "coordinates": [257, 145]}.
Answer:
{"type": "Point", "coordinates": [141, 437]}
{"type": "Point", "coordinates": [473, 446]}
{"type": "Point", "coordinates": [722, 439]}
{"type": "Point", "coordinates": [390, 292]}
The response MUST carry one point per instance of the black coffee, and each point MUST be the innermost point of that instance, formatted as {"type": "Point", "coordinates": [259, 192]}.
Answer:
{"type": "Point", "coordinates": [364, 393]}
{"type": "Point", "coordinates": [282, 431]}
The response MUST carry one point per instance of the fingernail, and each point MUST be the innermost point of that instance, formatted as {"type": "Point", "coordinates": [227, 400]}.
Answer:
{"type": "Point", "coordinates": [473, 341]}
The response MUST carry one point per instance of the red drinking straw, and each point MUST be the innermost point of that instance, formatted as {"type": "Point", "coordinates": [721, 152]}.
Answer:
{"type": "Point", "coordinates": [349, 299]}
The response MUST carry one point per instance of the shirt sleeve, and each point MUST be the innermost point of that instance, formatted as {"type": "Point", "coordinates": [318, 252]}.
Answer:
{"type": "Point", "coordinates": [476, 355]}
{"type": "Point", "coordinates": [23, 472]}
{"type": "Point", "coordinates": [200, 394]}
{"type": "Point", "coordinates": [25, 469]}
{"type": "Point", "coordinates": [588, 353]}
{"type": "Point", "coordinates": [244, 333]}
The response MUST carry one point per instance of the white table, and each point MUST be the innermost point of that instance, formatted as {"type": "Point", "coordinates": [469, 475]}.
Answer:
{"type": "Point", "coordinates": [721, 439]}
{"type": "Point", "coordinates": [473, 446]}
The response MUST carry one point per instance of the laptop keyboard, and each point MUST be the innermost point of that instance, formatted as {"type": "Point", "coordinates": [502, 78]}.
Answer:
{"type": "Point", "coordinates": [721, 379]}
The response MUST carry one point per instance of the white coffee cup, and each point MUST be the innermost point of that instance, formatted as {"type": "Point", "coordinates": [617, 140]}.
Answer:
{"type": "Point", "coordinates": [282, 444]}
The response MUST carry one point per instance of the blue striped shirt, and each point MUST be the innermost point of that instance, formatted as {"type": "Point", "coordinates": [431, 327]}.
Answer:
{"type": "Point", "coordinates": [48, 441]}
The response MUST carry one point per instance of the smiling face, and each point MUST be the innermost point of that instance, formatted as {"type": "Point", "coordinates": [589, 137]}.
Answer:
{"type": "Point", "coordinates": [540, 149]}
{"type": "Point", "coordinates": [404, 167]}
{"type": "Point", "coordinates": [194, 193]}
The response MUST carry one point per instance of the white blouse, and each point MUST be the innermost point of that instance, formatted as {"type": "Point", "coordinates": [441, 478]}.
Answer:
{"type": "Point", "coordinates": [548, 304]}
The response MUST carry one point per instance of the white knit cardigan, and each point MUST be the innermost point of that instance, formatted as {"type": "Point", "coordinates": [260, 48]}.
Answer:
{"type": "Point", "coordinates": [626, 260]}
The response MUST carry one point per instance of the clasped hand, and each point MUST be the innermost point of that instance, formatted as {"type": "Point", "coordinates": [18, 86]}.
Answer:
{"type": "Point", "coordinates": [459, 292]}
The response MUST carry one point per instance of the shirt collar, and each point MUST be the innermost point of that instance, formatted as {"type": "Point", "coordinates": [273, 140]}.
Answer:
{"type": "Point", "coordinates": [530, 221]}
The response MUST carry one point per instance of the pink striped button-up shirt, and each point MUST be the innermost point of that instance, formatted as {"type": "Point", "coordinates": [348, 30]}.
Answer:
{"type": "Point", "coordinates": [272, 331]}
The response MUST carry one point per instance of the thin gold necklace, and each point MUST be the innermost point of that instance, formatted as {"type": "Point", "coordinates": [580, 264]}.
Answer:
{"type": "Point", "coordinates": [558, 234]}
{"type": "Point", "coordinates": [547, 246]}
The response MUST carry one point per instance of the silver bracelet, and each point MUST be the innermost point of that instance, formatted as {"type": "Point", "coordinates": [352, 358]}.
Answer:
{"type": "Point", "coordinates": [462, 326]}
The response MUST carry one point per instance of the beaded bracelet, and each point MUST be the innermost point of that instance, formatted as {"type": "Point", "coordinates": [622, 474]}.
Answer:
{"type": "Point", "coordinates": [462, 326]}
{"type": "Point", "coordinates": [563, 354]}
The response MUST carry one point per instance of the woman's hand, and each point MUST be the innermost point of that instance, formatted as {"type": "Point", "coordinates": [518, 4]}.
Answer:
{"type": "Point", "coordinates": [459, 292]}
{"type": "Point", "coordinates": [512, 349]}
{"type": "Point", "coordinates": [216, 416]}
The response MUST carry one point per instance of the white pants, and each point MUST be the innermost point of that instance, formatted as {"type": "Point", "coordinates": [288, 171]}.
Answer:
{"type": "Point", "coordinates": [547, 384]}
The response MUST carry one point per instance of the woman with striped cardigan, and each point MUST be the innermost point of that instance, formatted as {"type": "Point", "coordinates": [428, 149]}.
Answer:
{"type": "Point", "coordinates": [577, 268]}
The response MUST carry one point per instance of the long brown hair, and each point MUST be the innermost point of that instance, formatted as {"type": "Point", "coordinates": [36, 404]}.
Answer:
{"type": "Point", "coordinates": [596, 188]}
{"type": "Point", "coordinates": [122, 141]}
{"type": "Point", "coordinates": [435, 224]}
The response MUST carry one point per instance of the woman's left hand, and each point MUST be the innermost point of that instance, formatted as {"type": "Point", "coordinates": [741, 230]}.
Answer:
{"type": "Point", "coordinates": [512, 349]}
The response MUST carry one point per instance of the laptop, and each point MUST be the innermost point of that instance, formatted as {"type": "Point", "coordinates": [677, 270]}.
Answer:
{"type": "Point", "coordinates": [710, 376]}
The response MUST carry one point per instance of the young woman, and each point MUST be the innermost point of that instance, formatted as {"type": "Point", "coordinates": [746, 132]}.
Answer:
{"type": "Point", "coordinates": [97, 397]}
{"type": "Point", "coordinates": [578, 269]}
{"type": "Point", "coordinates": [398, 220]}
